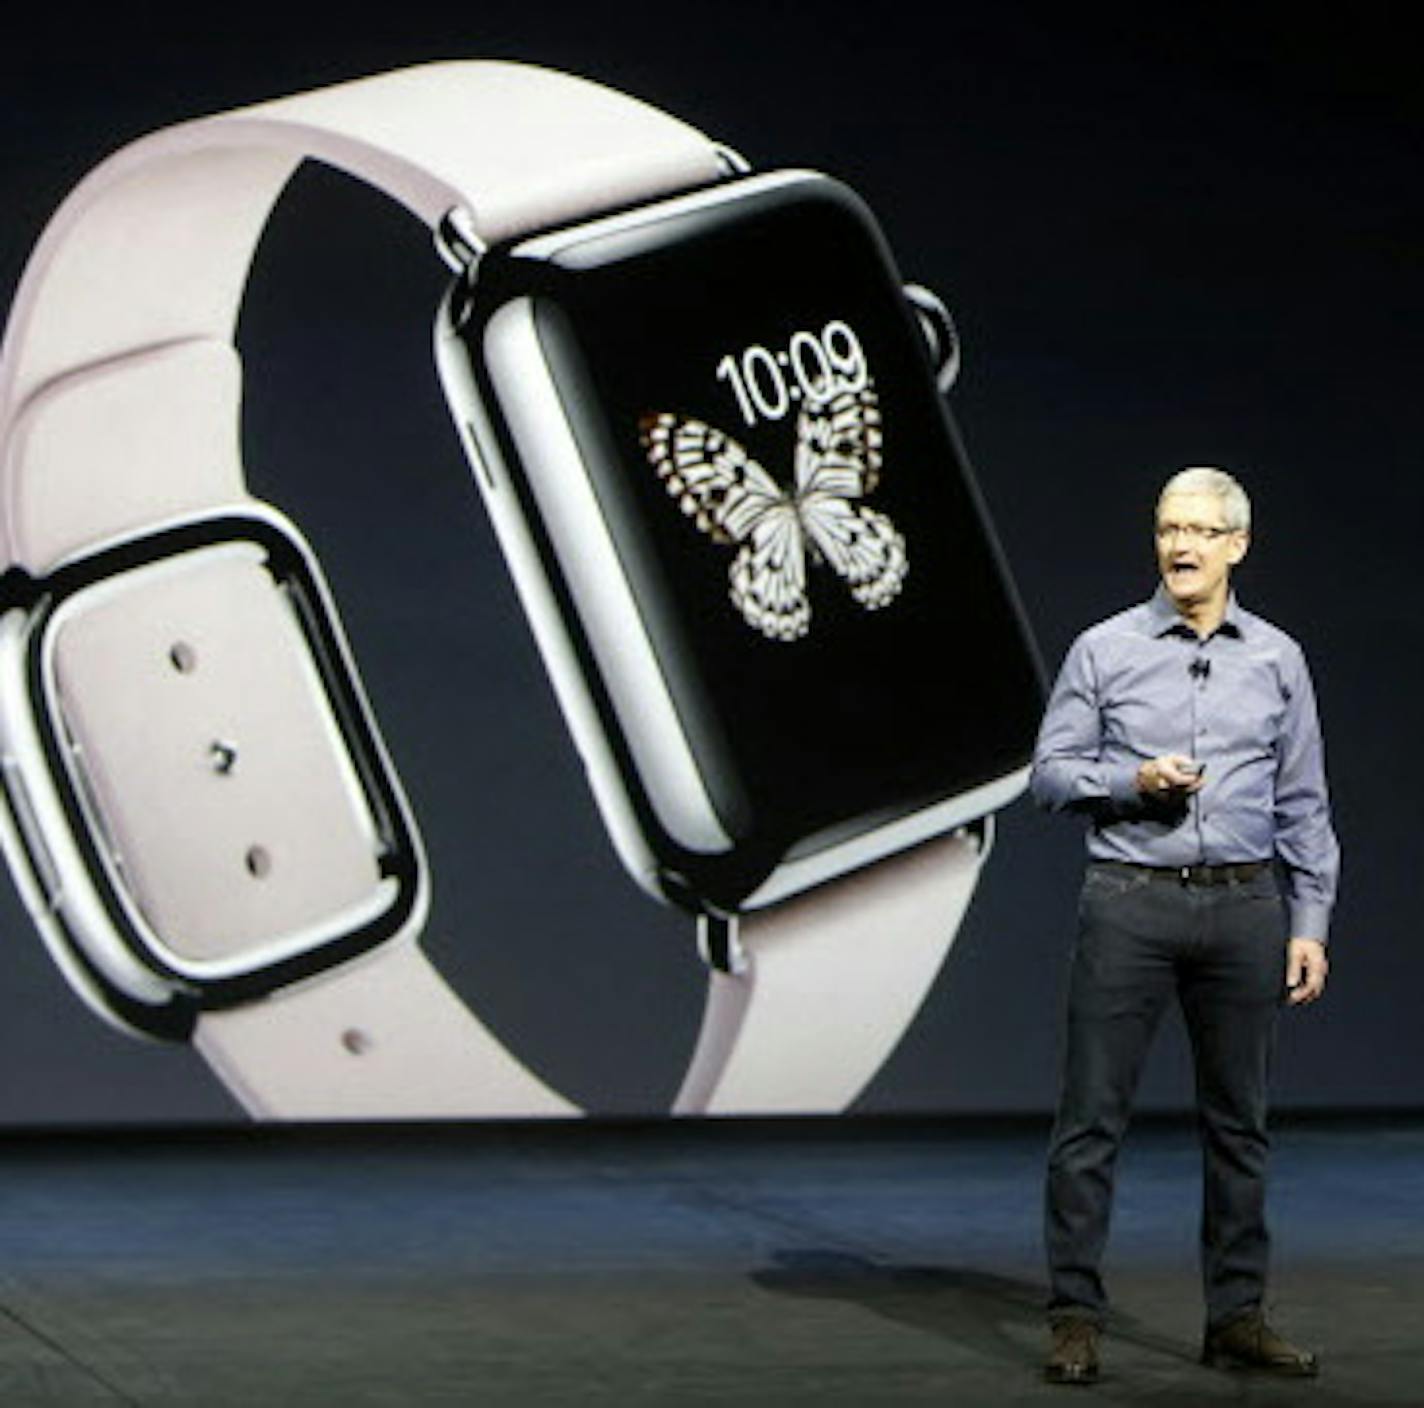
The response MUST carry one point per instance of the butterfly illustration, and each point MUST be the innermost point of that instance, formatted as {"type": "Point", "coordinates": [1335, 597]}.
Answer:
{"type": "Point", "coordinates": [735, 501]}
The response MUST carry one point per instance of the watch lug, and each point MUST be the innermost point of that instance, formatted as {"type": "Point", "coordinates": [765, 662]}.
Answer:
{"type": "Point", "coordinates": [982, 832]}
{"type": "Point", "coordinates": [718, 944]}
{"type": "Point", "coordinates": [939, 331]}
{"type": "Point", "coordinates": [733, 163]}
{"type": "Point", "coordinates": [456, 241]}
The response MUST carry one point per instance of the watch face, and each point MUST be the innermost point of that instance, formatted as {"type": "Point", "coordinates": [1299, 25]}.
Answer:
{"type": "Point", "coordinates": [806, 551]}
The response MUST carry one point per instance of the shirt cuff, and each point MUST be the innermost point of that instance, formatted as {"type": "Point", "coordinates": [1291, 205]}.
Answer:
{"type": "Point", "coordinates": [1122, 786]}
{"type": "Point", "coordinates": [1309, 920]}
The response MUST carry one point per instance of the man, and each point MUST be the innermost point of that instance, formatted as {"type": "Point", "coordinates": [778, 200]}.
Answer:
{"type": "Point", "coordinates": [1185, 730]}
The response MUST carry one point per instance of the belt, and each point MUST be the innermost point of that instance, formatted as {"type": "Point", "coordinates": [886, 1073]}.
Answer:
{"type": "Point", "coordinates": [1231, 874]}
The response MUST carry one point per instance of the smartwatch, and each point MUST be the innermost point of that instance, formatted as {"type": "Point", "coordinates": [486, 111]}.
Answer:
{"type": "Point", "coordinates": [706, 417]}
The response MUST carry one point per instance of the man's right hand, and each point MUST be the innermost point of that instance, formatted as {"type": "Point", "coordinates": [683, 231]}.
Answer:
{"type": "Point", "coordinates": [1172, 775]}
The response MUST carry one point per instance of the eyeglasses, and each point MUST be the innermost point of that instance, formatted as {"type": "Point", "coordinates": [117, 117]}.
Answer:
{"type": "Point", "coordinates": [1191, 532]}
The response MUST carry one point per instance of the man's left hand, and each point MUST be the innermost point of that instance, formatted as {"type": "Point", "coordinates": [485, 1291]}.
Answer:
{"type": "Point", "coordinates": [1306, 967]}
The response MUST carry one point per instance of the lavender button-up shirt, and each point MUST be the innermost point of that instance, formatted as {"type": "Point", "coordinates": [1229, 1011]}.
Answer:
{"type": "Point", "coordinates": [1141, 684]}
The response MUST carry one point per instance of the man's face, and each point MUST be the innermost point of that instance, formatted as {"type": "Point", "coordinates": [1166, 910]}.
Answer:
{"type": "Point", "coordinates": [1195, 549]}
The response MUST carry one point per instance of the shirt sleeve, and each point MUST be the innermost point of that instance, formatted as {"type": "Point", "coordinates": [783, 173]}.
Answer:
{"type": "Point", "coordinates": [1069, 772]}
{"type": "Point", "coordinates": [1305, 838]}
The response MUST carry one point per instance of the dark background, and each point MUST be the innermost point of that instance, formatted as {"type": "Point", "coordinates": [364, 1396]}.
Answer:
{"type": "Point", "coordinates": [1173, 235]}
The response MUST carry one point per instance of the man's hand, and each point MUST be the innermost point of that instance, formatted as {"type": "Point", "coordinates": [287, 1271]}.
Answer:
{"type": "Point", "coordinates": [1306, 967]}
{"type": "Point", "coordinates": [1172, 775]}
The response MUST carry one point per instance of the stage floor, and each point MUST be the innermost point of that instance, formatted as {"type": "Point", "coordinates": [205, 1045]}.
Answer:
{"type": "Point", "coordinates": [816, 1263]}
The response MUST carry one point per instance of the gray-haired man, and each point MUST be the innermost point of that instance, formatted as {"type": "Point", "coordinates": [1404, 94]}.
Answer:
{"type": "Point", "coordinates": [1185, 730]}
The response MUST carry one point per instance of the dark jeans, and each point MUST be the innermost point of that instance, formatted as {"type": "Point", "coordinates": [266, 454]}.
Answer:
{"type": "Point", "coordinates": [1221, 950]}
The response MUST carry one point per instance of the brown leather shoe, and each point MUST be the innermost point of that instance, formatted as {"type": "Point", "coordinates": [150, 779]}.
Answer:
{"type": "Point", "coordinates": [1074, 1356]}
{"type": "Point", "coordinates": [1247, 1342]}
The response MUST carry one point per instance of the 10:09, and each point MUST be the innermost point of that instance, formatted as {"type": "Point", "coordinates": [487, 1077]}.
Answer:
{"type": "Point", "coordinates": [819, 368]}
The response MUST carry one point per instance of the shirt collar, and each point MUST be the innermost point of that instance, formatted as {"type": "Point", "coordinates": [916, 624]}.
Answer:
{"type": "Point", "coordinates": [1163, 618]}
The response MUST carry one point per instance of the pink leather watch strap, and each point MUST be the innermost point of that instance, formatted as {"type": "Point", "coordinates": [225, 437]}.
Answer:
{"type": "Point", "coordinates": [831, 980]}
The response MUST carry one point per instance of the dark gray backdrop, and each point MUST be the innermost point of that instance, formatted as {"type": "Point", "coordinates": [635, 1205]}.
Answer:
{"type": "Point", "coordinates": [1171, 236]}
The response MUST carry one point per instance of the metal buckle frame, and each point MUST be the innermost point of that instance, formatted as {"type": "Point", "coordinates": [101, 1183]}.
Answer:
{"type": "Point", "coordinates": [116, 967]}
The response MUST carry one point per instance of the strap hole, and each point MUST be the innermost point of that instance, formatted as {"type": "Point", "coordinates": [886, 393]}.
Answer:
{"type": "Point", "coordinates": [357, 1042]}
{"type": "Point", "coordinates": [222, 756]}
{"type": "Point", "coordinates": [259, 862]}
{"type": "Point", "coordinates": [183, 657]}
